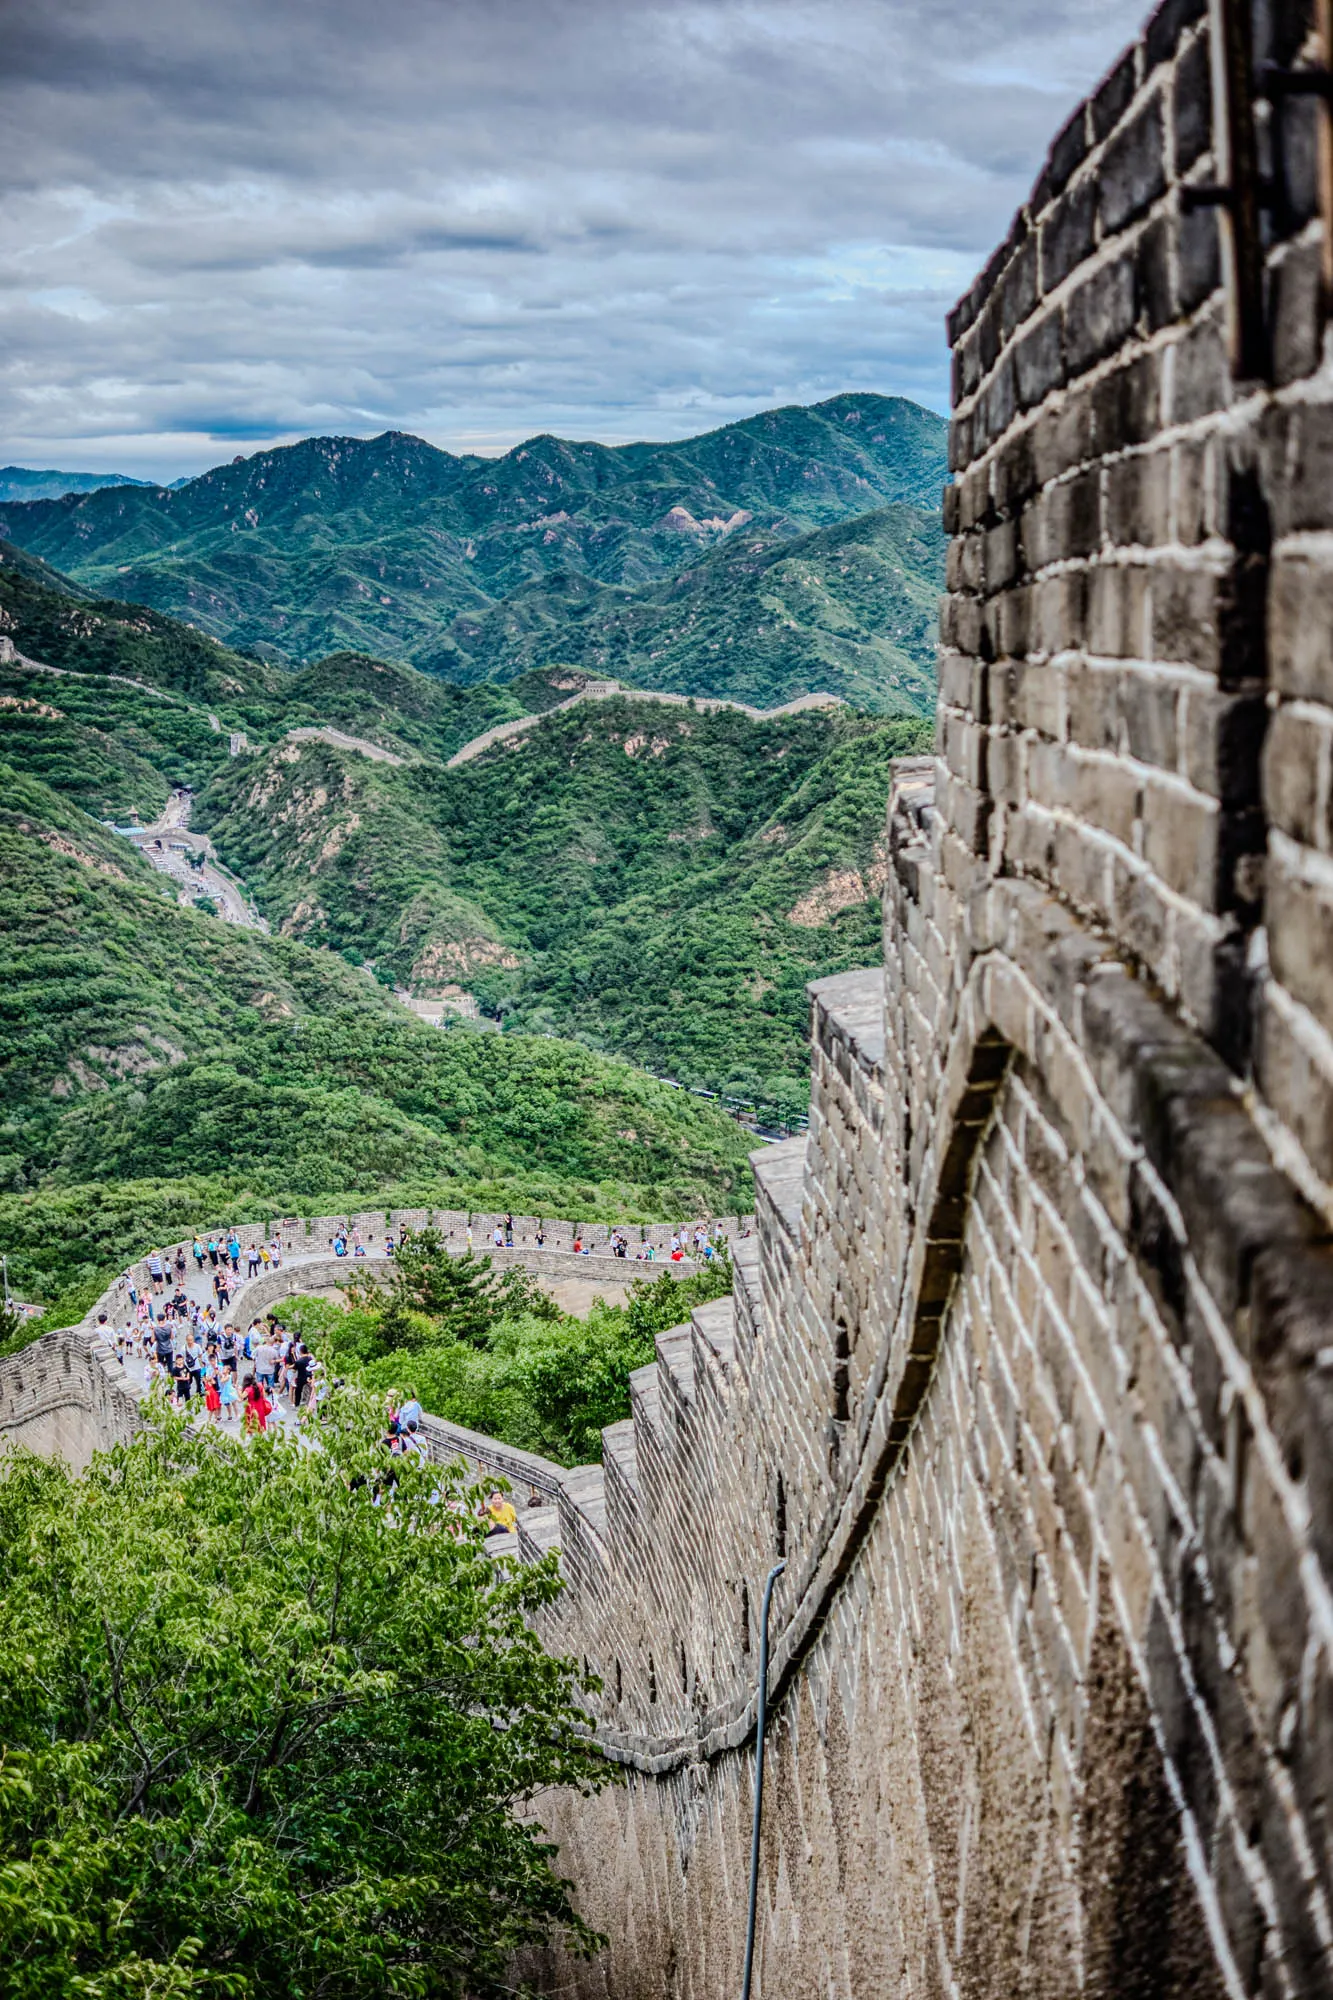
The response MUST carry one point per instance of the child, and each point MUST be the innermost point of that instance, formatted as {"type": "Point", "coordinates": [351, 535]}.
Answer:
{"type": "Point", "coordinates": [228, 1399]}
{"type": "Point", "coordinates": [213, 1397]}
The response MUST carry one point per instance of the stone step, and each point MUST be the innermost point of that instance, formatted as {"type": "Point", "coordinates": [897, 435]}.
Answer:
{"type": "Point", "coordinates": [853, 1003]}
{"type": "Point", "coordinates": [584, 1490]}
{"type": "Point", "coordinates": [675, 1354]}
{"type": "Point", "coordinates": [715, 1325]}
{"type": "Point", "coordinates": [645, 1398]}
{"type": "Point", "coordinates": [538, 1532]}
{"type": "Point", "coordinates": [748, 1292]}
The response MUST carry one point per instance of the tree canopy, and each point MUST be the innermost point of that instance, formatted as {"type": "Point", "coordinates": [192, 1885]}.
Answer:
{"type": "Point", "coordinates": [270, 1716]}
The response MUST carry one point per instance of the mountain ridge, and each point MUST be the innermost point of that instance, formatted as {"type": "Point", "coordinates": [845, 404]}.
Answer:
{"type": "Point", "coordinates": [23, 482]}
{"type": "Point", "coordinates": [377, 545]}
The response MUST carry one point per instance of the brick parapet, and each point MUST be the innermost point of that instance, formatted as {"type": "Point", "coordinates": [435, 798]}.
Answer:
{"type": "Point", "coordinates": [1136, 697]}
{"type": "Point", "coordinates": [66, 1396]}
{"type": "Point", "coordinates": [307, 1241]}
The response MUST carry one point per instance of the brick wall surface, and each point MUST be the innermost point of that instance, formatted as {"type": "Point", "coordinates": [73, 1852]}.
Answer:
{"type": "Point", "coordinates": [1028, 1370]}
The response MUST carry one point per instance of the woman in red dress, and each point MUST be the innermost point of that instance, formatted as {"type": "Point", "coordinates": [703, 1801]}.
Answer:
{"type": "Point", "coordinates": [257, 1406]}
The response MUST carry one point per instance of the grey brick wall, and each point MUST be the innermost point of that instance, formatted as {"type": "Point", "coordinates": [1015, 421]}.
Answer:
{"type": "Point", "coordinates": [1037, 1333]}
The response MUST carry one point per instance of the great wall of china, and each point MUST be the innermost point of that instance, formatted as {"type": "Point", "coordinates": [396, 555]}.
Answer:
{"type": "Point", "coordinates": [1028, 1373]}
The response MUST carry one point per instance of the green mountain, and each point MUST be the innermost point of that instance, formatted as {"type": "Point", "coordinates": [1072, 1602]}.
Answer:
{"type": "Point", "coordinates": [632, 880]}
{"type": "Point", "coordinates": [389, 546]}
{"type": "Point", "coordinates": [187, 1063]}
{"type": "Point", "coordinates": [660, 881]}
{"type": "Point", "coordinates": [20, 482]}
{"type": "Point", "coordinates": [140, 703]}
{"type": "Point", "coordinates": [764, 617]}
{"type": "Point", "coordinates": [657, 880]}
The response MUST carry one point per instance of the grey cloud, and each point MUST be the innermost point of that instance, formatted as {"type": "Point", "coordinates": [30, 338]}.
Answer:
{"type": "Point", "coordinates": [481, 220]}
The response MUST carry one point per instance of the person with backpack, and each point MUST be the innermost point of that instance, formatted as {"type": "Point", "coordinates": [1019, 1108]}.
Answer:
{"type": "Point", "coordinates": [266, 1364]}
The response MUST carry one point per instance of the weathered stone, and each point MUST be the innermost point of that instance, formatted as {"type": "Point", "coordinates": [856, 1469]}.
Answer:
{"type": "Point", "coordinates": [1133, 168]}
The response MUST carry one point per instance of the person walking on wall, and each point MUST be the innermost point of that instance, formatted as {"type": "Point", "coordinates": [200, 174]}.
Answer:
{"type": "Point", "coordinates": [258, 1408]}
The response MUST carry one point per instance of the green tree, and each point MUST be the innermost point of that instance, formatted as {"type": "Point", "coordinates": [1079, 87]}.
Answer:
{"type": "Point", "coordinates": [269, 1715]}
{"type": "Point", "coordinates": [464, 1296]}
{"type": "Point", "coordinates": [540, 1378]}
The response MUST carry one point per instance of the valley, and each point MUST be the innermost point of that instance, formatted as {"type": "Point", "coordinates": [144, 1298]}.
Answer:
{"type": "Point", "coordinates": [265, 917]}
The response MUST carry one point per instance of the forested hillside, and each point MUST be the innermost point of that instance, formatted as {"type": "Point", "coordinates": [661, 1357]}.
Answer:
{"type": "Point", "coordinates": [630, 881]}
{"type": "Point", "coordinates": [184, 1061]}
{"type": "Point", "coordinates": [851, 609]}
{"type": "Point", "coordinates": [660, 880]}
{"type": "Point", "coordinates": [141, 702]}
{"type": "Point", "coordinates": [387, 546]}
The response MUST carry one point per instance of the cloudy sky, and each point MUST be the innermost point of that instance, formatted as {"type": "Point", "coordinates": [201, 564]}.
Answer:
{"type": "Point", "coordinates": [228, 226]}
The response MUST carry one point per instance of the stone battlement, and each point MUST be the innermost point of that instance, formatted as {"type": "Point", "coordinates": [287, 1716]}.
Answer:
{"type": "Point", "coordinates": [312, 1237]}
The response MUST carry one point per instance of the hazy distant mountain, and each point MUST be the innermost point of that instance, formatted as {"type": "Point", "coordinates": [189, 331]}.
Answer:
{"type": "Point", "coordinates": [378, 544]}
{"type": "Point", "coordinates": [20, 482]}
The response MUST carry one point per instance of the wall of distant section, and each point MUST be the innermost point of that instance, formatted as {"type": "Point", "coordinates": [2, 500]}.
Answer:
{"type": "Point", "coordinates": [66, 1396]}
